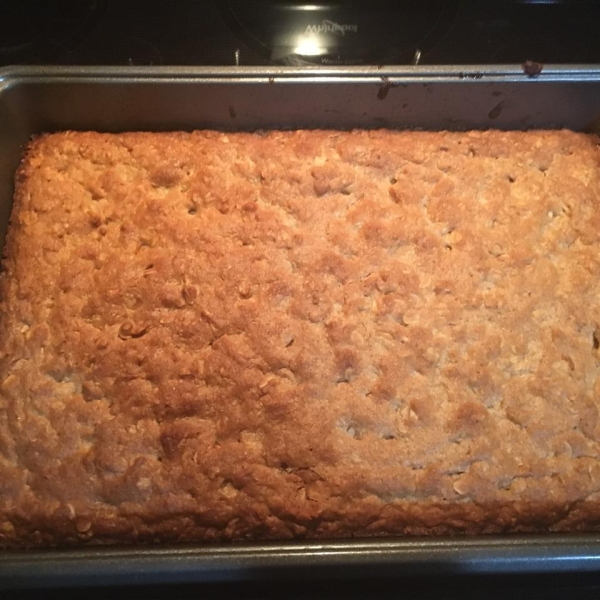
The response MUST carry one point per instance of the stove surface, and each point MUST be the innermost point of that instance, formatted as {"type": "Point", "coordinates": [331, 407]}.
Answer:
{"type": "Point", "coordinates": [263, 32]}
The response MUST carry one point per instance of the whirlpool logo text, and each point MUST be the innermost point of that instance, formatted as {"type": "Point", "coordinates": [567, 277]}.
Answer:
{"type": "Point", "coordinates": [331, 27]}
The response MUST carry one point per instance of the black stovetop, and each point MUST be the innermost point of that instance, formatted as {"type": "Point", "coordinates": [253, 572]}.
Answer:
{"type": "Point", "coordinates": [263, 32]}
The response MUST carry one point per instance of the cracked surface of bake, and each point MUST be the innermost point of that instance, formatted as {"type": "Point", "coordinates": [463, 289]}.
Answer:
{"type": "Point", "coordinates": [215, 336]}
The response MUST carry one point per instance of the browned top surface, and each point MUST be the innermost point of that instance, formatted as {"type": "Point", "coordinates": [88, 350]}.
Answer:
{"type": "Point", "coordinates": [313, 333]}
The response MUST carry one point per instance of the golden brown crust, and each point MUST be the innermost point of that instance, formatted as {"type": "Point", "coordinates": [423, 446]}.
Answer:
{"type": "Point", "coordinates": [300, 334]}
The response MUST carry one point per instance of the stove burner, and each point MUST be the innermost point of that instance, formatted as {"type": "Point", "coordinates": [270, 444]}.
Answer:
{"type": "Point", "coordinates": [30, 29]}
{"type": "Point", "coordinates": [340, 32]}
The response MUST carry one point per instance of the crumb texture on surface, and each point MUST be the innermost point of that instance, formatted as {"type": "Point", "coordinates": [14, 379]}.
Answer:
{"type": "Point", "coordinates": [208, 336]}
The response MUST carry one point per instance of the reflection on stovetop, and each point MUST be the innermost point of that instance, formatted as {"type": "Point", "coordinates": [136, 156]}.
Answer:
{"type": "Point", "coordinates": [262, 32]}
{"type": "Point", "coordinates": [351, 32]}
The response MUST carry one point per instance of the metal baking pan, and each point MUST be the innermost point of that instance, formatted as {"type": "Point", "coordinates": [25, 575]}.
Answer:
{"type": "Point", "coordinates": [34, 100]}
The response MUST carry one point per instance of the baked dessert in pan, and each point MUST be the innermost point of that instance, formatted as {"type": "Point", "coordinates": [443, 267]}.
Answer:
{"type": "Point", "coordinates": [218, 336]}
